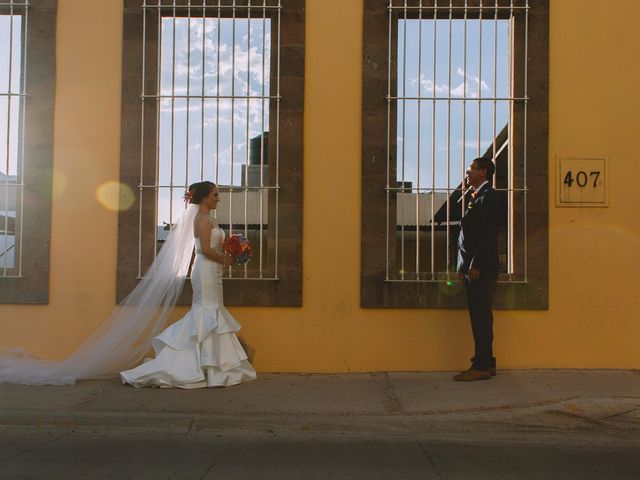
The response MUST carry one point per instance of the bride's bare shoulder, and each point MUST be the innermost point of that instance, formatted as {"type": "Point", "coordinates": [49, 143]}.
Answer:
{"type": "Point", "coordinates": [204, 221]}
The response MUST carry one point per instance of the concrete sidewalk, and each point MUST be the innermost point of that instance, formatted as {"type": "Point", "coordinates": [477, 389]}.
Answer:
{"type": "Point", "coordinates": [522, 424]}
{"type": "Point", "coordinates": [556, 403]}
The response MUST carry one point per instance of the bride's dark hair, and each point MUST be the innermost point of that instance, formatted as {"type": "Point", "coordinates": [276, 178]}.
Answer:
{"type": "Point", "coordinates": [200, 190]}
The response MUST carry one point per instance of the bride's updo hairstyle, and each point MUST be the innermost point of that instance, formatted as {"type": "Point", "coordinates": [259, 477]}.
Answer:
{"type": "Point", "coordinates": [198, 191]}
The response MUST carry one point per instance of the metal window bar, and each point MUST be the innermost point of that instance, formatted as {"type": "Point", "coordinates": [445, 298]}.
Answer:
{"type": "Point", "coordinates": [448, 267]}
{"type": "Point", "coordinates": [417, 217]}
{"type": "Point", "coordinates": [510, 176]}
{"type": "Point", "coordinates": [404, 123]}
{"type": "Point", "coordinates": [13, 164]}
{"type": "Point", "coordinates": [173, 16]}
{"type": "Point", "coordinates": [463, 161]}
{"type": "Point", "coordinates": [433, 135]}
{"type": "Point", "coordinates": [479, 80]}
{"type": "Point", "coordinates": [246, 161]}
{"type": "Point", "coordinates": [524, 139]}
{"type": "Point", "coordinates": [388, 191]}
{"type": "Point", "coordinates": [483, 15]}
{"type": "Point", "coordinates": [188, 113]}
{"type": "Point", "coordinates": [261, 203]}
{"type": "Point", "coordinates": [233, 115]}
{"type": "Point", "coordinates": [217, 99]}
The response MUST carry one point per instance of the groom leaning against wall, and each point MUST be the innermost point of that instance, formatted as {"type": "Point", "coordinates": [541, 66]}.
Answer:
{"type": "Point", "coordinates": [478, 265]}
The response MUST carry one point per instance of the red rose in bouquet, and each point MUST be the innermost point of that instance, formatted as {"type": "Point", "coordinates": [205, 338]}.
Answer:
{"type": "Point", "coordinates": [239, 247]}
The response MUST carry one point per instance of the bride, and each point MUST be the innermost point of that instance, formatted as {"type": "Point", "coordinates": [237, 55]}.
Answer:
{"type": "Point", "coordinates": [200, 350]}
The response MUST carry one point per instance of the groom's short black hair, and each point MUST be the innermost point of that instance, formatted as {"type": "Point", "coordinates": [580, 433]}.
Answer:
{"type": "Point", "coordinates": [487, 165]}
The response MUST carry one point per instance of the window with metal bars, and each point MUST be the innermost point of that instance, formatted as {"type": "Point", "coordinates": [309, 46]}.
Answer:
{"type": "Point", "coordinates": [450, 81]}
{"type": "Point", "coordinates": [27, 78]}
{"type": "Point", "coordinates": [210, 107]}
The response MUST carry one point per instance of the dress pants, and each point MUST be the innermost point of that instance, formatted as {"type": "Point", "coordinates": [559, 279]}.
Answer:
{"type": "Point", "coordinates": [480, 294]}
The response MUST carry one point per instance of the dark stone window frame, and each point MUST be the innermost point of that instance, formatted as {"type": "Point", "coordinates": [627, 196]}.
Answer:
{"type": "Point", "coordinates": [287, 289]}
{"type": "Point", "coordinates": [32, 287]}
{"type": "Point", "coordinates": [375, 290]}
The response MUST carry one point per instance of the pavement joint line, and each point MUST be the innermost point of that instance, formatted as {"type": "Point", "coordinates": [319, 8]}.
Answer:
{"type": "Point", "coordinates": [430, 461]}
{"type": "Point", "coordinates": [603, 428]}
{"type": "Point", "coordinates": [394, 409]}
{"type": "Point", "coordinates": [189, 423]}
{"type": "Point", "coordinates": [473, 434]}
{"type": "Point", "coordinates": [39, 445]}
{"type": "Point", "coordinates": [223, 454]}
{"type": "Point", "coordinates": [593, 421]}
{"type": "Point", "coordinates": [619, 414]}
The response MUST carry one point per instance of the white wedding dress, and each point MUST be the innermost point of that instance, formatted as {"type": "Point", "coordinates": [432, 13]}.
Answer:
{"type": "Point", "coordinates": [201, 349]}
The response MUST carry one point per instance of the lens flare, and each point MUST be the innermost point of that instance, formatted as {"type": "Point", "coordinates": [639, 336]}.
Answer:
{"type": "Point", "coordinates": [115, 196]}
{"type": "Point", "coordinates": [450, 288]}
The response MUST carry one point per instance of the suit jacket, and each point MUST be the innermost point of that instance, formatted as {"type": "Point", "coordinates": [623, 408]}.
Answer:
{"type": "Point", "coordinates": [478, 237]}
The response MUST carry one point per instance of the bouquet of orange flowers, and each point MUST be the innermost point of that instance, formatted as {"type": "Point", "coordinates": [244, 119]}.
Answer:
{"type": "Point", "coordinates": [239, 247]}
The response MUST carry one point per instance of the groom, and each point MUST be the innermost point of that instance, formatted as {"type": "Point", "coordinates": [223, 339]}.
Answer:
{"type": "Point", "coordinates": [478, 265]}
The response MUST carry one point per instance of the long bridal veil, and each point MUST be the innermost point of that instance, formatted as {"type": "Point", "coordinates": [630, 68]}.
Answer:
{"type": "Point", "coordinates": [125, 336]}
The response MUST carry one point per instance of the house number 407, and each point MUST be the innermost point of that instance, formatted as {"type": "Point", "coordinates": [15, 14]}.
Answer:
{"type": "Point", "coordinates": [582, 178]}
{"type": "Point", "coordinates": [582, 182]}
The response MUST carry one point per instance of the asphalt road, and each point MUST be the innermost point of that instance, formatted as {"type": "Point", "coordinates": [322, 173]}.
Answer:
{"type": "Point", "coordinates": [103, 453]}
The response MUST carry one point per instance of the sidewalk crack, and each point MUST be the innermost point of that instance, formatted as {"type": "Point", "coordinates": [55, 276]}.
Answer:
{"type": "Point", "coordinates": [392, 403]}
{"type": "Point", "coordinates": [189, 429]}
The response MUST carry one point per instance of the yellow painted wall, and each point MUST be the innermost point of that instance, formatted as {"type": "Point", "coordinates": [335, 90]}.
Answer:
{"type": "Point", "coordinates": [594, 315]}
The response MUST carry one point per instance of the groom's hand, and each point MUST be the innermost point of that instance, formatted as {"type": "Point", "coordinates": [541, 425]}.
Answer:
{"type": "Point", "coordinates": [473, 274]}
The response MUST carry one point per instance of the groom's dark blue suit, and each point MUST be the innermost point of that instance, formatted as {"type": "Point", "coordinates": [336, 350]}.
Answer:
{"type": "Point", "coordinates": [478, 248]}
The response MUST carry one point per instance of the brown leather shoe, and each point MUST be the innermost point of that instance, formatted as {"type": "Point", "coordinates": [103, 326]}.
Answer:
{"type": "Point", "coordinates": [472, 374]}
{"type": "Point", "coordinates": [492, 371]}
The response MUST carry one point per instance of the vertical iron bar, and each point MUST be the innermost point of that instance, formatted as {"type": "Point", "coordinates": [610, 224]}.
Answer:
{"type": "Point", "coordinates": [418, 146]}
{"type": "Point", "coordinates": [524, 133]}
{"type": "Point", "coordinates": [142, 100]}
{"type": "Point", "coordinates": [433, 140]}
{"type": "Point", "coordinates": [495, 87]}
{"type": "Point", "coordinates": [23, 90]}
{"type": "Point", "coordinates": [202, 105]}
{"type": "Point", "coordinates": [158, 120]}
{"type": "Point", "coordinates": [188, 116]}
{"type": "Point", "coordinates": [479, 84]}
{"type": "Point", "coordinates": [173, 114]}
{"type": "Point", "coordinates": [404, 138]}
{"type": "Point", "coordinates": [389, 141]}
{"type": "Point", "coordinates": [510, 177]}
{"type": "Point", "coordinates": [246, 168]}
{"type": "Point", "coordinates": [233, 117]}
{"type": "Point", "coordinates": [233, 113]}
{"type": "Point", "coordinates": [449, 138]}
{"type": "Point", "coordinates": [261, 201]}
{"type": "Point", "coordinates": [277, 140]}
{"type": "Point", "coordinates": [217, 99]}
{"type": "Point", "coordinates": [464, 115]}
{"type": "Point", "coordinates": [5, 234]}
